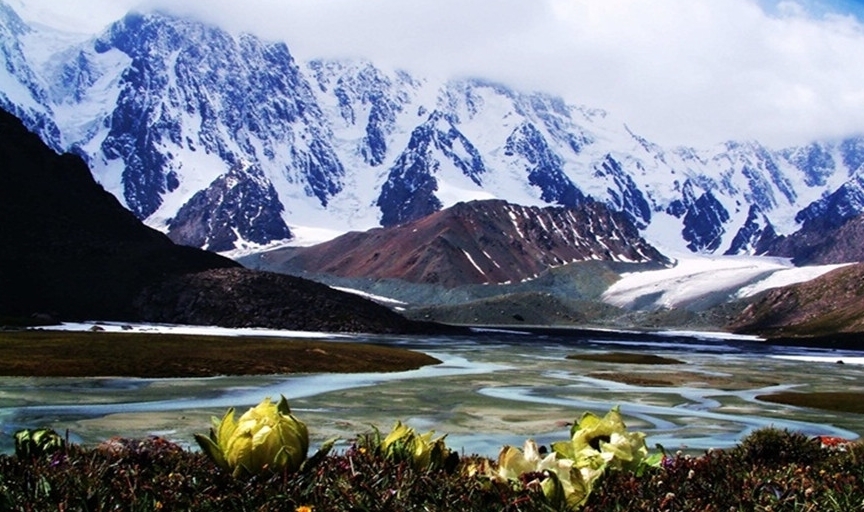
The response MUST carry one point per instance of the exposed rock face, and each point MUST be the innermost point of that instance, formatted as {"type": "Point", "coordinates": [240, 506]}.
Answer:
{"type": "Point", "coordinates": [253, 99]}
{"type": "Point", "coordinates": [822, 242]}
{"type": "Point", "coordinates": [543, 167]}
{"type": "Point", "coordinates": [72, 251]}
{"type": "Point", "coordinates": [409, 192]}
{"type": "Point", "coordinates": [757, 234]}
{"type": "Point", "coordinates": [481, 242]}
{"type": "Point", "coordinates": [165, 106]}
{"type": "Point", "coordinates": [240, 201]}
{"type": "Point", "coordinates": [832, 303]}
{"type": "Point", "coordinates": [703, 217]}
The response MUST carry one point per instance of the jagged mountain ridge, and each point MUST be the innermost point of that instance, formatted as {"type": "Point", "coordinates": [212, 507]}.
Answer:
{"type": "Point", "coordinates": [164, 108]}
{"type": "Point", "coordinates": [480, 242]}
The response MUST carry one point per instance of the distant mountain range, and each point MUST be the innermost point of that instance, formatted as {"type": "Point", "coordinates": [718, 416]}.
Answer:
{"type": "Point", "coordinates": [73, 252]}
{"type": "Point", "coordinates": [227, 142]}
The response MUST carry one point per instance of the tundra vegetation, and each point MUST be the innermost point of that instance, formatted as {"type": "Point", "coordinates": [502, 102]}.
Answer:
{"type": "Point", "coordinates": [259, 462]}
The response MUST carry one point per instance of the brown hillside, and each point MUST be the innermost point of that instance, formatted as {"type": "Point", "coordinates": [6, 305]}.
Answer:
{"type": "Point", "coordinates": [821, 243]}
{"type": "Point", "coordinates": [481, 242]}
{"type": "Point", "coordinates": [832, 303]}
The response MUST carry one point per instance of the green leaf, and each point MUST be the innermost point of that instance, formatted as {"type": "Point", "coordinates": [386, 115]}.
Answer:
{"type": "Point", "coordinates": [319, 456]}
{"type": "Point", "coordinates": [283, 407]}
{"type": "Point", "coordinates": [553, 490]}
{"type": "Point", "coordinates": [212, 450]}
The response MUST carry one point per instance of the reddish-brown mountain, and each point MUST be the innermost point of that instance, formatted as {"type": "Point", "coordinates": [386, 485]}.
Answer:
{"type": "Point", "coordinates": [481, 242]}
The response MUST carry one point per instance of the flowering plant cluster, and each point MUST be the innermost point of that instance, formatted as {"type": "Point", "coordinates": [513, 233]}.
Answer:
{"type": "Point", "coordinates": [770, 469]}
{"type": "Point", "coordinates": [403, 443]}
{"type": "Point", "coordinates": [38, 442]}
{"type": "Point", "coordinates": [566, 474]}
{"type": "Point", "coordinates": [269, 438]}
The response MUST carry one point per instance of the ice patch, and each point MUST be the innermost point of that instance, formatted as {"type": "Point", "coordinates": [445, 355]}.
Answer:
{"type": "Point", "coordinates": [692, 277]}
{"type": "Point", "coordinates": [204, 330]}
{"type": "Point", "coordinates": [370, 296]}
{"type": "Point", "coordinates": [824, 359]}
{"type": "Point", "coordinates": [787, 277]}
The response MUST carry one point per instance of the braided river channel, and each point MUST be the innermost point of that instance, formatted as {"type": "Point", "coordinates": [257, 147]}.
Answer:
{"type": "Point", "coordinates": [494, 387]}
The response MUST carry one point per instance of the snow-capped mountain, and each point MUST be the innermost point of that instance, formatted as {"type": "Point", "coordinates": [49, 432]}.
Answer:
{"type": "Point", "coordinates": [172, 115]}
{"type": "Point", "coordinates": [21, 93]}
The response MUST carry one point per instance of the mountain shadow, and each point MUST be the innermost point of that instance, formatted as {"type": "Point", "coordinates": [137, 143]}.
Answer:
{"type": "Point", "coordinates": [71, 251]}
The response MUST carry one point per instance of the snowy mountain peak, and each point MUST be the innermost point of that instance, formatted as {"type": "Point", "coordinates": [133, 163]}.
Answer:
{"type": "Point", "coordinates": [163, 108]}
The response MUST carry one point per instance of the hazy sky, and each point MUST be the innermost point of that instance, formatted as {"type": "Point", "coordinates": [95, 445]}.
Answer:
{"type": "Point", "coordinates": [692, 72]}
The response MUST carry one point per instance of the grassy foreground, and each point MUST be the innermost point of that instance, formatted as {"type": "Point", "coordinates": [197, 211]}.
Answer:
{"type": "Point", "coordinates": [104, 354]}
{"type": "Point", "coordinates": [771, 470]}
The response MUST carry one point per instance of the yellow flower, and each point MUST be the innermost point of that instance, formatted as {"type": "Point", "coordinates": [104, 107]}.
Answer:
{"type": "Point", "coordinates": [562, 482]}
{"type": "Point", "coordinates": [597, 442]}
{"type": "Point", "coordinates": [425, 453]}
{"type": "Point", "coordinates": [304, 508]}
{"type": "Point", "coordinates": [266, 437]}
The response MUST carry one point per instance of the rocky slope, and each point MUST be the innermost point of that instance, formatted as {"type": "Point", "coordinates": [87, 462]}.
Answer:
{"type": "Point", "coordinates": [822, 241]}
{"type": "Point", "coordinates": [239, 297]}
{"type": "Point", "coordinates": [70, 249]}
{"type": "Point", "coordinates": [73, 252]}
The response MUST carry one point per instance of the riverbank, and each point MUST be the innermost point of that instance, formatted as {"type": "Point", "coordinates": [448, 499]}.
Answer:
{"type": "Point", "coordinates": [49, 353]}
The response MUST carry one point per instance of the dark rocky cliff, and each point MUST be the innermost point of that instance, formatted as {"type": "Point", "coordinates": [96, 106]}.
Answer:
{"type": "Point", "coordinates": [70, 250]}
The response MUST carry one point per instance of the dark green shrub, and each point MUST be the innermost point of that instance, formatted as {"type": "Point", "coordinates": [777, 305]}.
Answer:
{"type": "Point", "coordinates": [154, 474]}
{"type": "Point", "coordinates": [775, 446]}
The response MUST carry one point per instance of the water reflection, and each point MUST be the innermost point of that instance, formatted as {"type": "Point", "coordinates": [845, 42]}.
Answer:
{"type": "Point", "coordinates": [491, 389]}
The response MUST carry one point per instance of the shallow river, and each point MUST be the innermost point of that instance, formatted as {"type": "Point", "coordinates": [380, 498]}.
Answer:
{"type": "Point", "coordinates": [493, 388]}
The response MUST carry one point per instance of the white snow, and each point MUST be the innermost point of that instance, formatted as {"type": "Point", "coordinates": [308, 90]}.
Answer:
{"type": "Point", "coordinates": [473, 262]}
{"type": "Point", "coordinates": [824, 359]}
{"type": "Point", "coordinates": [490, 259]}
{"type": "Point", "coordinates": [696, 276]}
{"type": "Point", "coordinates": [305, 236]}
{"type": "Point", "coordinates": [487, 115]}
{"type": "Point", "coordinates": [366, 295]}
{"type": "Point", "coordinates": [711, 335]}
{"type": "Point", "coordinates": [188, 329]}
{"type": "Point", "coordinates": [787, 277]}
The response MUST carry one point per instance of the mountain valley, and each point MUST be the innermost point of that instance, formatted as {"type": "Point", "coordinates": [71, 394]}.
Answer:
{"type": "Point", "coordinates": [463, 201]}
